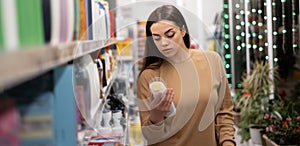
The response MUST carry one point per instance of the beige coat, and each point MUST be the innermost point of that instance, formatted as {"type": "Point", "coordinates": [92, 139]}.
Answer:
{"type": "Point", "coordinates": [202, 99]}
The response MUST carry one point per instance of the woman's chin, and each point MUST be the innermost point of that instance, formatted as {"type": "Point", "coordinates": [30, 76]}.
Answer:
{"type": "Point", "coordinates": [168, 54]}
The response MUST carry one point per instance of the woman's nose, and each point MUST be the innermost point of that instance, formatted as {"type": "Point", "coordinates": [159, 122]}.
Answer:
{"type": "Point", "coordinates": [164, 42]}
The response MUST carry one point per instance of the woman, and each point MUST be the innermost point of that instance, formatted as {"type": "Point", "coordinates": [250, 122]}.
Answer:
{"type": "Point", "coordinates": [196, 84]}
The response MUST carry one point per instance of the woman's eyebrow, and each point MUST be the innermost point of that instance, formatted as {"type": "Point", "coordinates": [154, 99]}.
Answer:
{"type": "Point", "coordinates": [155, 34]}
{"type": "Point", "coordinates": [164, 33]}
{"type": "Point", "coordinates": [168, 30]}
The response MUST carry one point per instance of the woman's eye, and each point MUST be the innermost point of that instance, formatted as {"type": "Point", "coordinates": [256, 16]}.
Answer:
{"type": "Point", "coordinates": [156, 38]}
{"type": "Point", "coordinates": [170, 35]}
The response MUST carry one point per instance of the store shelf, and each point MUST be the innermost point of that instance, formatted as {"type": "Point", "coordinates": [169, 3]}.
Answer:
{"type": "Point", "coordinates": [124, 58]}
{"type": "Point", "coordinates": [26, 64]}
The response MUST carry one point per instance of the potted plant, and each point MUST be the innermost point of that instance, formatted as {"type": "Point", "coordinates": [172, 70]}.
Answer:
{"type": "Point", "coordinates": [236, 94]}
{"type": "Point", "coordinates": [255, 99]}
{"type": "Point", "coordinates": [283, 125]}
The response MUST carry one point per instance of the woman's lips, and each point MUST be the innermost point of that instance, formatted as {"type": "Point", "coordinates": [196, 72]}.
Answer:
{"type": "Point", "coordinates": [167, 50]}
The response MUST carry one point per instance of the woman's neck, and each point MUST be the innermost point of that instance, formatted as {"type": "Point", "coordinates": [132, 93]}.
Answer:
{"type": "Point", "coordinates": [181, 56]}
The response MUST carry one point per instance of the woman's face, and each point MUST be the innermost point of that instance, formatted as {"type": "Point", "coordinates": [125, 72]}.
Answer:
{"type": "Point", "coordinates": [168, 38]}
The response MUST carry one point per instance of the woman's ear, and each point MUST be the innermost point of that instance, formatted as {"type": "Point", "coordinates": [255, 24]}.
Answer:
{"type": "Point", "coordinates": [183, 31]}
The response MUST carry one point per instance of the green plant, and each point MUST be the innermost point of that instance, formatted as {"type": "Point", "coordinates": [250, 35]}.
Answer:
{"type": "Point", "coordinates": [255, 98]}
{"type": "Point", "coordinates": [236, 94]}
{"type": "Point", "coordinates": [283, 124]}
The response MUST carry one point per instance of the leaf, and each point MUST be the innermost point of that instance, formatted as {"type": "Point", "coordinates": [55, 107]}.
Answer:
{"type": "Point", "coordinates": [277, 114]}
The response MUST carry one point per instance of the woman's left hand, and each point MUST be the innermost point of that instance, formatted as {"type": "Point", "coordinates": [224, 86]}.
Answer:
{"type": "Point", "coordinates": [160, 106]}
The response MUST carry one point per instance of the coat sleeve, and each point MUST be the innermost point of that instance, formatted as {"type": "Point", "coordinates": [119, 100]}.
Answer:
{"type": "Point", "coordinates": [143, 94]}
{"type": "Point", "coordinates": [152, 132]}
{"type": "Point", "coordinates": [224, 119]}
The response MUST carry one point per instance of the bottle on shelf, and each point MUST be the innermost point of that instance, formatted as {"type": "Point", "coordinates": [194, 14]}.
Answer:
{"type": "Point", "coordinates": [116, 118]}
{"type": "Point", "coordinates": [105, 127]}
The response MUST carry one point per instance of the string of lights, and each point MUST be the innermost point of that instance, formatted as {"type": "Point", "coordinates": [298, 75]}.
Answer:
{"type": "Point", "coordinates": [251, 32]}
{"type": "Point", "coordinates": [294, 33]}
{"type": "Point", "coordinates": [226, 41]}
{"type": "Point", "coordinates": [283, 26]}
{"type": "Point", "coordinates": [275, 28]}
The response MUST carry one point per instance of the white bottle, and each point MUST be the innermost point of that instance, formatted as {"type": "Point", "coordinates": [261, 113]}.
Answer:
{"type": "Point", "coordinates": [158, 88]}
{"type": "Point", "coordinates": [10, 25]}
{"type": "Point", "coordinates": [106, 118]}
{"type": "Point", "coordinates": [117, 127]}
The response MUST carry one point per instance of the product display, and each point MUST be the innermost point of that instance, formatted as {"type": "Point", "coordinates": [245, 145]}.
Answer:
{"type": "Point", "coordinates": [55, 21]}
{"type": "Point", "coordinates": [64, 122]}
{"type": "Point", "coordinates": [104, 141]}
{"type": "Point", "coordinates": [1, 30]}
{"type": "Point", "coordinates": [9, 122]}
{"type": "Point", "coordinates": [99, 25]}
{"type": "Point", "coordinates": [82, 19]}
{"type": "Point", "coordinates": [105, 128]}
{"type": "Point", "coordinates": [79, 79]}
{"type": "Point", "coordinates": [63, 21]}
{"type": "Point", "coordinates": [82, 86]}
{"type": "Point", "coordinates": [35, 116]}
{"type": "Point", "coordinates": [34, 23]}
{"type": "Point", "coordinates": [37, 120]}
{"type": "Point", "coordinates": [46, 10]}
{"type": "Point", "coordinates": [116, 119]}
{"type": "Point", "coordinates": [30, 22]}
{"type": "Point", "coordinates": [9, 25]}
{"type": "Point", "coordinates": [89, 19]}
{"type": "Point", "coordinates": [94, 87]}
{"type": "Point", "coordinates": [66, 27]}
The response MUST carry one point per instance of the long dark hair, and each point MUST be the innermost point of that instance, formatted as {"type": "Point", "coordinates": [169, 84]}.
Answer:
{"type": "Point", "coordinates": [153, 58]}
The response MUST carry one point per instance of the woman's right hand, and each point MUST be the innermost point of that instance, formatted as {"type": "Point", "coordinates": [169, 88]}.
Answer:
{"type": "Point", "coordinates": [160, 106]}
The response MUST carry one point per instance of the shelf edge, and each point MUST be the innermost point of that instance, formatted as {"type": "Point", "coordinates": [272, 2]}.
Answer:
{"type": "Point", "coordinates": [20, 66]}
